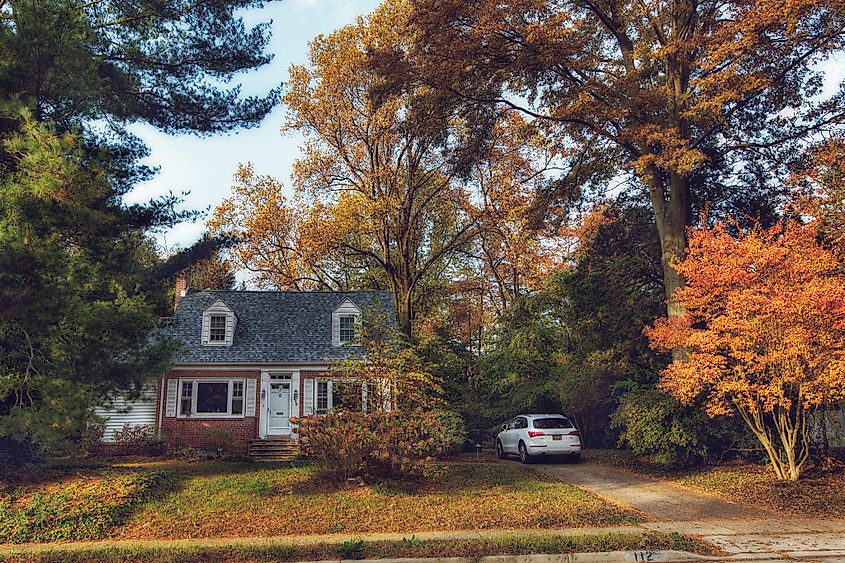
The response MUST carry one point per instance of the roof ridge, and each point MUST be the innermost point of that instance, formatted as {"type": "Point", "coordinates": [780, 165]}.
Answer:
{"type": "Point", "coordinates": [324, 291]}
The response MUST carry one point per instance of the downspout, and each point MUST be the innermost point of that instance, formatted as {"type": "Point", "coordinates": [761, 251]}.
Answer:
{"type": "Point", "coordinates": [160, 408]}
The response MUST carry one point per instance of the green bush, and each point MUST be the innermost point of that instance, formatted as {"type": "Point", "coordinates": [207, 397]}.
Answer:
{"type": "Point", "coordinates": [655, 424]}
{"type": "Point", "coordinates": [79, 509]}
{"type": "Point", "coordinates": [380, 444]}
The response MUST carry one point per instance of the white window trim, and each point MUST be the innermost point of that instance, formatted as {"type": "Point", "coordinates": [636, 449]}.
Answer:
{"type": "Point", "coordinates": [330, 395]}
{"type": "Point", "coordinates": [218, 308]}
{"type": "Point", "coordinates": [346, 309]}
{"type": "Point", "coordinates": [194, 414]}
{"type": "Point", "coordinates": [385, 384]}
{"type": "Point", "coordinates": [211, 317]}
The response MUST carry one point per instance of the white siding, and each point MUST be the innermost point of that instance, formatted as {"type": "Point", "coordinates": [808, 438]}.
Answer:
{"type": "Point", "coordinates": [141, 412]}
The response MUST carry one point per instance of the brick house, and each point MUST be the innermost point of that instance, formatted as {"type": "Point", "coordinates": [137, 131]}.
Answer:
{"type": "Point", "coordinates": [249, 361]}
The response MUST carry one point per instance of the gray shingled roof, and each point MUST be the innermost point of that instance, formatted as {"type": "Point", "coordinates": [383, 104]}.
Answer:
{"type": "Point", "coordinates": [272, 326]}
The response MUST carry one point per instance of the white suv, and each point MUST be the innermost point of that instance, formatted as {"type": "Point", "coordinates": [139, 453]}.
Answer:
{"type": "Point", "coordinates": [531, 435]}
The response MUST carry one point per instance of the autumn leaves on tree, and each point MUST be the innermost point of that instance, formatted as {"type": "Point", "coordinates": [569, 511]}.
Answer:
{"type": "Point", "coordinates": [378, 200]}
{"type": "Point", "coordinates": [764, 333]}
{"type": "Point", "coordinates": [689, 96]}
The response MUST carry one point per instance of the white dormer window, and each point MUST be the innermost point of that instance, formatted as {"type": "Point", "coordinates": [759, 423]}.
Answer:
{"type": "Point", "coordinates": [218, 324]}
{"type": "Point", "coordinates": [217, 329]}
{"type": "Point", "coordinates": [346, 324]}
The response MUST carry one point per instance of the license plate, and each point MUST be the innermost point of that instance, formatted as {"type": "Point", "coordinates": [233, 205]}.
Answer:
{"type": "Point", "coordinates": [557, 437]}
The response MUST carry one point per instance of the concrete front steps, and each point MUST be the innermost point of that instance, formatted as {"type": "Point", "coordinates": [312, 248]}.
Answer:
{"type": "Point", "coordinates": [274, 449]}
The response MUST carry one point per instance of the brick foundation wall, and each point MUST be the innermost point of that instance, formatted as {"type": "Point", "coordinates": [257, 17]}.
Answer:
{"type": "Point", "coordinates": [198, 432]}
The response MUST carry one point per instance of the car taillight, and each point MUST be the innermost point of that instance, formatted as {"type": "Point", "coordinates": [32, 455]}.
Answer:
{"type": "Point", "coordinates": [535, 433]}
{"type": "Point", "coordinates": [574, 433]}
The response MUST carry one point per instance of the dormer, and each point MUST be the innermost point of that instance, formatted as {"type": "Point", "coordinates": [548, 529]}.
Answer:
{"type": "Point", "coordinates": [218, 324]}
{"type": "Point", "coordinates": [346, 324]}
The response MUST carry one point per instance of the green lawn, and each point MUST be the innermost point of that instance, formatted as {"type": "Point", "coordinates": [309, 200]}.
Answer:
{"type": "Point", "coordinates": [232, 500]}
{"type": "Point", "coordinates": [168, 500]}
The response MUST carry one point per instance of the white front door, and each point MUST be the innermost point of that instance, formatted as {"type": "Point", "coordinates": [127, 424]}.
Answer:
{"type": "Point", "coordinates": [278, 408]}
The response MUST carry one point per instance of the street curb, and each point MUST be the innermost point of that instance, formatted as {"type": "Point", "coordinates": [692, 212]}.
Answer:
{"type": "Point", "coordinates": [665, 556]}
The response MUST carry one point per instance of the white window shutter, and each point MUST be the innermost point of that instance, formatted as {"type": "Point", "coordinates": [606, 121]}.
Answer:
{"type": "Point", "coordinates": [331, 394]}
{"type": "Point", "coordinates": [308, 397]}
{"type": "Point", "coordinates": [335, 329]}
{"type": "Point", "coordinates": [206, 322]}
{"type": "Point", "coordinates": [170, 405]}
{"type": "Point", "coordinates": [250, 398]}
{"type": "Point", "coordinates": [387, 395]}
{"type": "Point", "coordinates": [230, 329]}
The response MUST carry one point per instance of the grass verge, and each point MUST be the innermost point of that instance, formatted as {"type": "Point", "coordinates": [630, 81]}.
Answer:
{"type": "Point", "coordinates": [359, 549]}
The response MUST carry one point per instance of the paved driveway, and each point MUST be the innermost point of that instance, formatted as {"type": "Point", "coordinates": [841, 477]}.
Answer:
{"type": "Point", "coordinates": [664, 501]}
{"type": "Point", "coordinates": [735, 528]}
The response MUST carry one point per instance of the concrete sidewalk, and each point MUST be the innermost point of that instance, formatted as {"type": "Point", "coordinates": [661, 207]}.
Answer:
{"type": "Point", "coordinates": [742, 540]}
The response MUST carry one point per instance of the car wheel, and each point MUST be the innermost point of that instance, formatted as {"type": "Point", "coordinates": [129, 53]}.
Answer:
{"type": "Point", "coordinates": [500, 451]}
{"type": "Point", "coordinates": [524, 456]}
{"type": "Point", "coordinates": [574, 458]}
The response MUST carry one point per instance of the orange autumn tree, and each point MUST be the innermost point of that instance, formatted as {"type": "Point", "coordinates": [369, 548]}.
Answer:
{"type": "Point", "coordinates": [763, 333]}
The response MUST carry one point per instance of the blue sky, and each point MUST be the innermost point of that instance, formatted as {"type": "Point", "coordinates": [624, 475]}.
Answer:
{"type": "Point", "coordinates": [205, 166]}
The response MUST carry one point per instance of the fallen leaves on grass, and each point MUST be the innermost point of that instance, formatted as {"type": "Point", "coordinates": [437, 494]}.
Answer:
{"type": "Point", "coordinates": [238, 500]}
{"type": "Point", "coordinates": [85, 506]}
{"type": "Point", "coordinates": [820, 495]}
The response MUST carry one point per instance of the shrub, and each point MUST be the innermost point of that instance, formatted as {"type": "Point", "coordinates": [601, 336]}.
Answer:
{"type": "Point", "coordinates": [380, 444]}
{"type": "Point", "coordinates": [92, 438]}
{"type": "Point", "coordinates": [655, 424]}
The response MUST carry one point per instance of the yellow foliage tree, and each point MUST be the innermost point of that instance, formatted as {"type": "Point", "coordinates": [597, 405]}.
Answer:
{"type": "Point", "coordinates": [379, 200]}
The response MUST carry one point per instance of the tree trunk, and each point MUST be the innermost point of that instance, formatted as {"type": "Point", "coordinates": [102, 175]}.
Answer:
{"type": "Point", "coordinates": [788, 459]}
{"type": "Point", "coordinates": [402, 298]}
{"type": "Point", "coordinates": [670, 205]}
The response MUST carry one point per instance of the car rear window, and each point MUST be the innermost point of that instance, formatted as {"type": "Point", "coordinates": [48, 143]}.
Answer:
{"type": "Point", "coordinates": [551, 423]}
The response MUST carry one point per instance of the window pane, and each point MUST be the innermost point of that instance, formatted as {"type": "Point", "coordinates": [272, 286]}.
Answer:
{"type": "Point", "coordinates": [185, 402]}
{"type": "Point", "coordinates": [217, 328]}
{"type": "Point", "coordinates": [373, 398]}
{"type": "Point", "coordinates": [551, 423]}
{"type": "Point", "coordinates": [212, 397]}
{"type": "Point", "coordinates": [237, 397]}
{"type": "Point", "coordinates": [322, 397]}
{"type": "Point", "coordinates": [347, 328]}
